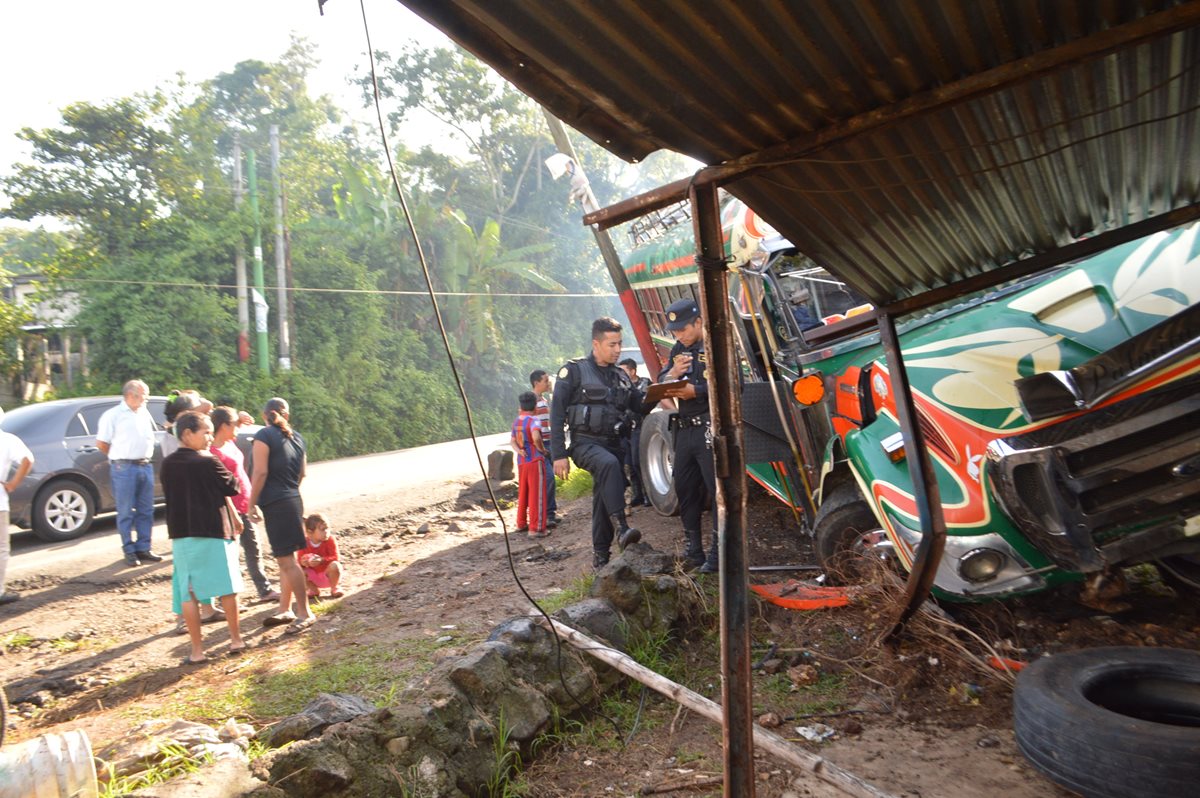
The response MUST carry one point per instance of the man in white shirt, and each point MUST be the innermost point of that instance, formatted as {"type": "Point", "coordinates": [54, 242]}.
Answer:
{"type": "Point", "coordinates": [12, 452]}
{"type": "Point", "coordinates": [126, 435]}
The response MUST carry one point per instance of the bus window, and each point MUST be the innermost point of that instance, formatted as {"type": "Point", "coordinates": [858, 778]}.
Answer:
{"type": "Point", "coordinates": [816, 297]}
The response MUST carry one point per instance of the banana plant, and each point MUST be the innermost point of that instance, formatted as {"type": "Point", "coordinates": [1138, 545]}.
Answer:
{"type": "Point", "coordinates": [477, 264]}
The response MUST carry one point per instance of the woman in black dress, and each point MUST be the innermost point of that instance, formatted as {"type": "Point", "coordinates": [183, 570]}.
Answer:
{"type": "Point", "coordinates": [279, 463]}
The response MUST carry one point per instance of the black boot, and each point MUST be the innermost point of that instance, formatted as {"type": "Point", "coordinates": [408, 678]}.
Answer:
{"type": "Point", "coordinates": [599, 559]}
{"type": "Point", "coordinates": [625, 534]}
{"type": "Point", "coordinates": [694, 553]}
{"type": "Point", "coordinates": [712, 563]}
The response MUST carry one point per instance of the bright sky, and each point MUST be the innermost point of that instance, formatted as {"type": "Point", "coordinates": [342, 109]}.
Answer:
{"type": "Point", "coordinates": [55, 52]}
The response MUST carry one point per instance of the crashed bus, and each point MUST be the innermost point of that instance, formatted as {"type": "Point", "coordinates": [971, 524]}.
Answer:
{"type": "Point", "coordinates": [1061, 411]}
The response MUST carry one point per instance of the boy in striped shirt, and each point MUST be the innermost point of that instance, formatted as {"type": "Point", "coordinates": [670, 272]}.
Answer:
{"type": "Point", "coordinates": [539, 381]}
{"type": "Point", "coordinates": [531, 469]}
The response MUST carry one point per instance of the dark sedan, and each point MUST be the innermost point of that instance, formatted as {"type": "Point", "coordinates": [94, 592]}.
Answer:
{"type": "Point", "coordinates": [69, 484]}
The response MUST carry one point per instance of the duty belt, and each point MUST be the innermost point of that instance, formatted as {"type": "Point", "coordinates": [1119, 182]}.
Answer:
{"type": "Point", "coordinates": [694, 421]}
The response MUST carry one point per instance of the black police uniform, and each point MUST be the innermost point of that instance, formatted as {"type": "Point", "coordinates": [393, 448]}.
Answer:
{"type": "Point", "coordinates": [694, 472]}
{"type": "Point", "coordinates": [594, 402]}
{"type": "Point", "coordinates": [631, 450]}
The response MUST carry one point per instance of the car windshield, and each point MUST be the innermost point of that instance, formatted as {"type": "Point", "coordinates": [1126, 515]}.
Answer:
{"type": "Point", "coordinates": [24, 422]}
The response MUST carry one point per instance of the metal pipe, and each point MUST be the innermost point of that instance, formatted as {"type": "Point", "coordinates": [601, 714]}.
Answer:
{"type": "Point", "coordinates": [920, 470]}
{"type": "Point", "coordinates": [725, 407]}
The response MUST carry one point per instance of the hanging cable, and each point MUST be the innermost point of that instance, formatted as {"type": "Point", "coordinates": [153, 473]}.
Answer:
{"type": "Point", "coordinates": [454, 367]}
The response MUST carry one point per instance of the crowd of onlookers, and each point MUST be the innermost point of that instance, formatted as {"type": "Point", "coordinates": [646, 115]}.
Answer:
{"type": "Point", "coordinates": [213, 506]}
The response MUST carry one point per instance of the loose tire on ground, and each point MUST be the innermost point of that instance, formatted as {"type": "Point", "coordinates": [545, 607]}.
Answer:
{"type": "Point", "coordinates": [843, 520]}
{"type": "Point", "coordinates": [63, 510]}
{"type": "Point", "coordinates": [1115, 722]}
{"type": "Point", "coordinates": [657, 454]}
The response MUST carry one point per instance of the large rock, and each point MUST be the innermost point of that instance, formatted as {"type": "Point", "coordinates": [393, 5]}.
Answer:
{"type": "Point", "coordinates": [500, 465]}
{"type": "Point", "coordinates": [620, 585]}
{"type": "Point", "coordinates": [564, 675]}
{"type": "Point", "coordinates": [596, 618]}
{"type": "Point", "coordinates": [146, 744]}
{"type": "Point", "coordinates": [324, 710]}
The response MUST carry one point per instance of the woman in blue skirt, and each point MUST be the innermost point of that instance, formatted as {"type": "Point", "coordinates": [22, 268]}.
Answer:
{"type": "Point", "coordinates": [203, 529]}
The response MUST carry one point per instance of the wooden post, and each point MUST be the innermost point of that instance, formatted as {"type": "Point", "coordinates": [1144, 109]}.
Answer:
{"type": "Point", "coordinates": [729, 463]}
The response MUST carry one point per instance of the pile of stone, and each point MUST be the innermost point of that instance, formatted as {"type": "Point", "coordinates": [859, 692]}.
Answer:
{"type": "Point", "coordinates": [439, 737]}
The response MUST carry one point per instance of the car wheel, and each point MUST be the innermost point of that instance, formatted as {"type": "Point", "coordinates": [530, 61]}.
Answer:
{"type": "Point", "coordinates": [63, 510]}
{"type": "Point", "coordinates": [847, 538]}
{"type": "Point", "coordinates": [1119, 721]}
{"type": "Point", "coordinates": [657, 453]}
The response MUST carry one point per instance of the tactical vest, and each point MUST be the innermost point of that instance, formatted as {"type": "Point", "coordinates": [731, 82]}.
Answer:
{"type": "Point", "coordinates": [598, 410]}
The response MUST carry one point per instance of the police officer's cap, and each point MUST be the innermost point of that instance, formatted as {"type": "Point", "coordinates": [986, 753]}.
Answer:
{"type": "Point", "coordinates": [681, 313]}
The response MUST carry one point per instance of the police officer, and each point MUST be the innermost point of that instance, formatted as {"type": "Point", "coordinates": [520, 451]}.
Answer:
{"type": "Point", "coordinates": [693, 463]}
{"type": "Point", "coordinates": [592, 398]}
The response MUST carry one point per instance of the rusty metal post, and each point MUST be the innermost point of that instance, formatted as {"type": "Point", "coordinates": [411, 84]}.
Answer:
{"type": "Point", "coordinates": [920, 470]}
{"type": "Point", "coordinates": [725, 406]}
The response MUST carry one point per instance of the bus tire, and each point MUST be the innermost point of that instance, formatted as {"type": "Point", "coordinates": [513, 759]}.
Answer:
{"type": "Point", "coordinates": [843, 534]}
{"type": "Point", "coordinates": [657, 455]}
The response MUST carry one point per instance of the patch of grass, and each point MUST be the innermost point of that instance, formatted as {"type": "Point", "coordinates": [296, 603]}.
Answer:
{"type": "Point", "coordinates": [828, 694]}
{"type": "Point", "coordinates": [658, 652]}
{"type": "Point", "coordinates": [176, 762]}
{"type": "Point", "coordinates": [578, 483]}
{"type": "Point", "coordinates": [370, 671]}
{"type": "Point", "coordinates": [683, 756]}
{"type": "Point", "coordinates": [506, 764]}
{"type": "Point", "coordinates": [65, 645]}
{"type": "Point", "coordinates": [576, 591]}
{"type": "Point", "coordinates": [15, 641]}
{"type": "Point", "coordinates": [326, 607]}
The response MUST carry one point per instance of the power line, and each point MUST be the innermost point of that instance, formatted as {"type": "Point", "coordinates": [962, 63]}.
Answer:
{"type": "Point", "coordinates": [306, 289]}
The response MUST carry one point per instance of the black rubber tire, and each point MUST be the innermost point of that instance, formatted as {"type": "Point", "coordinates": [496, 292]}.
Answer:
{"type": "Point", "coordinates": [1116, 722]}
{"type": "Point", "coordinates": [63, 510]}
{"type": "Point", "coordinates": [657, 453]}
{"type": "Point", "coordinates": [841, 521]}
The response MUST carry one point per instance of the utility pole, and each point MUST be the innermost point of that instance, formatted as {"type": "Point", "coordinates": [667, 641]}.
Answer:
{"type": "Point", "coordinates": [612, 261]}
{"type": "Point", "coordinates": [239, 259]}
{"type": "Point", "coordinates": [260, 289]}
{"type": "Point", "coordinates": [281, 281]}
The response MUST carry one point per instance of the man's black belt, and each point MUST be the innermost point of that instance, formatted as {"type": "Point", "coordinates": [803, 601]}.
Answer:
{"type": "Point", "coordinates": [142, 461]}
{"type": "Point", "coordinates": [600, 440]}
{"type": "Point", "coordinates": [694, 421]}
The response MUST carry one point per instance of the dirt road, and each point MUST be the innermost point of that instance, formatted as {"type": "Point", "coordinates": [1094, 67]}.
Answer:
{"type": "Point", "coordinates": [361, 487]}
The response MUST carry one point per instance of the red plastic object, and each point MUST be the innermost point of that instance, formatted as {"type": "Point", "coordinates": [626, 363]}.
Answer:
{"type": "Point", "coordinates": [795, 595]}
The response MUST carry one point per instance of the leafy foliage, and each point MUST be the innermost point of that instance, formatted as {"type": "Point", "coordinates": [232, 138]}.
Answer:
{"type": "Point", "coordinates": [144, 182]}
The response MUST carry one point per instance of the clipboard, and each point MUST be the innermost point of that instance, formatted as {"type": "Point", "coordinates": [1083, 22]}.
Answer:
{"type": "Point", "coordinates": [665, 390]}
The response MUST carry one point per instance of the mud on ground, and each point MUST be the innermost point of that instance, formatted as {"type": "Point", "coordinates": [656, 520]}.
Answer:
{"type": "Point", "coordinates": [923, 718]}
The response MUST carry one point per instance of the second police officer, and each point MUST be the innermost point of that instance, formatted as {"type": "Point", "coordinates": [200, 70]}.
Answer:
{"type": "Point", "coordinates": [594, 398]}
{"type": "Point", "coordinates": [693, 463]}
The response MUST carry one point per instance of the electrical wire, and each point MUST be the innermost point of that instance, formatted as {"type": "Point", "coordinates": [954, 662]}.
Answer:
{"type": "Point", "coordinates": [304, 289]}
{"type": "Point", "coordinates": [454, 367]}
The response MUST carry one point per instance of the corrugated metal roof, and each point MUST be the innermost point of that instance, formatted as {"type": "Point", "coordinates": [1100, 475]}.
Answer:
{"type": "Point", "coordinates": [895, 192]}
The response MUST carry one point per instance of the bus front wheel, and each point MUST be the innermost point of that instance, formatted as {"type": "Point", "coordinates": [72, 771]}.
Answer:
{"type": "Point", "coordinates": [657, 453]}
